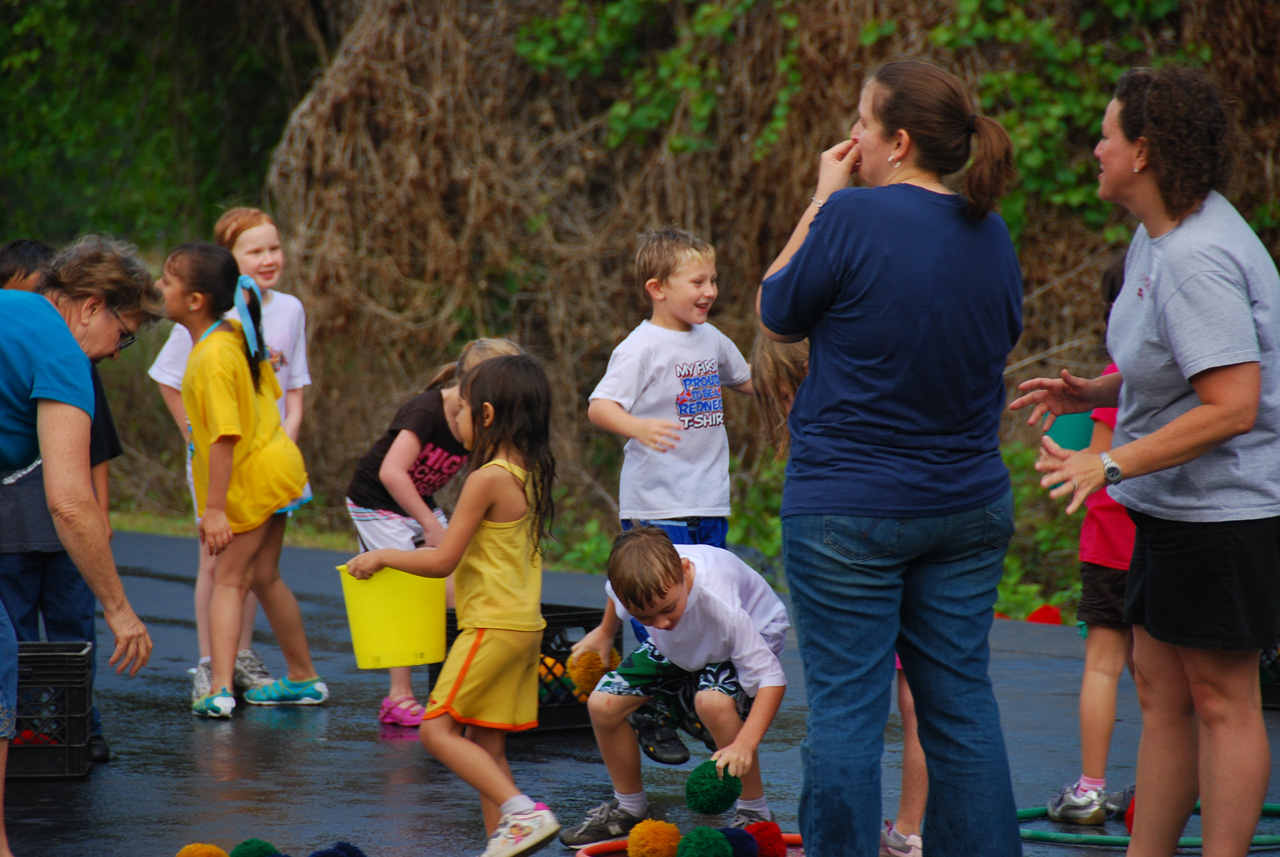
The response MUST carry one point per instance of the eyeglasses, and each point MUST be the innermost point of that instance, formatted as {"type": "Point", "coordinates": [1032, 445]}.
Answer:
{"type": "Point", "coordinates": [127, 336]}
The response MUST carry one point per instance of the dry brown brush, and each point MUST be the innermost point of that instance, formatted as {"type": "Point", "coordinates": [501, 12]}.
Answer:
{"type": "Point", "coordinates": [433, 187]}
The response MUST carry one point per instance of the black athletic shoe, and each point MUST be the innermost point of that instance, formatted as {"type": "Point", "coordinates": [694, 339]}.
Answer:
{"type": "Point", "coordinates": [658, 740]}
{"type": "Point", "coordinates": [606, 822]}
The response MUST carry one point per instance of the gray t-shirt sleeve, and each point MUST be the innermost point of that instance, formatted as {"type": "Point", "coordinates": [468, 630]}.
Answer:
{"type": "Point", "coordinates": [1208, 322]}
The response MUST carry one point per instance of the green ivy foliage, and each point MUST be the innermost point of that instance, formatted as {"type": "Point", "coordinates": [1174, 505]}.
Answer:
{"type": "Point", "coordinates": [139, 119]}
{"type": "Point", "coordinates": [1049, 84]}
{"type": "Point", "coordinates": [664, 59]}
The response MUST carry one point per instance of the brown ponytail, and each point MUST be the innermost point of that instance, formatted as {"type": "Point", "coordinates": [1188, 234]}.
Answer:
{"type": "Point", "coordinates": [932, 106]}
{"type": "Point", "coordinates": [992, 168]}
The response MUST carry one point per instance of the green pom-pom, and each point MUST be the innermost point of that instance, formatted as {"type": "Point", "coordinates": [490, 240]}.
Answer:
{"type": "Point", "coordinates": [704, 842]}
{"type": "Point", "coordinates": [254, 848]}
{"type": "Point", "coordinates": [707, 793]}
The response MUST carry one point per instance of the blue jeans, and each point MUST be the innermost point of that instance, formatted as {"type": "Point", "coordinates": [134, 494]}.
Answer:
{"type": "Point", "coordinates": [861, 587]}
{"type": "Point", "coordinates": [8, 677]}
{"type": "Point", "coordinates": [47, 584]}
{"type": "Point", "coordinates": [686, 531]}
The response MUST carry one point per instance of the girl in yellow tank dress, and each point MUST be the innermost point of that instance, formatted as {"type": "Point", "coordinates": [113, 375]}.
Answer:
{"type": "Point", "coordinates": [488, 685]}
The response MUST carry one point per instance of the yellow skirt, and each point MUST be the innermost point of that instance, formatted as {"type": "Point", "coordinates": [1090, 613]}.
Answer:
{"type": "Point", "coordinates": [489, 678]}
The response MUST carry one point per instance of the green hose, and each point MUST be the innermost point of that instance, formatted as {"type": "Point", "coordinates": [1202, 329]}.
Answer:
{"type": "Point", "coordinates": [1270, 841]}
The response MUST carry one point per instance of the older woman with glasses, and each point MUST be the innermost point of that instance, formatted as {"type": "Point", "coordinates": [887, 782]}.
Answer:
{"type": "Point", "coordinates": [88, 305]}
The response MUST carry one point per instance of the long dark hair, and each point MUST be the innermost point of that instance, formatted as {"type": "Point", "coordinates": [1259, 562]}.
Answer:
{"type": "Point", "coordinates": [518, 389]}
{"type": "Point", "coordinates": [212, 271]}
{"type": "Point", "coordinates": [932, 105]}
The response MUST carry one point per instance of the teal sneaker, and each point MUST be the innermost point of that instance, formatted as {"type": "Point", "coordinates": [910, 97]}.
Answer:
{"type": "Point", "coordinates": [219, 704]}
{"type": "Point", "coordinates": [284, 692]}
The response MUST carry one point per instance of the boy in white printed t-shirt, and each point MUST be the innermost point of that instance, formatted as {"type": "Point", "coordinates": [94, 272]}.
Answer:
{"type": "Point", "coordinates": [662, 391]}
{"type": "Point", "coordinates": [717, 630]}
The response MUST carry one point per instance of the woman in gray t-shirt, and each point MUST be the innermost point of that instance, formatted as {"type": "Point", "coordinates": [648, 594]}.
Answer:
{"type": "Point", "coordinates": [1194, 335]}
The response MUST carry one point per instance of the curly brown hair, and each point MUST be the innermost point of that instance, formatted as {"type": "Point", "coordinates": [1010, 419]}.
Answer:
{"type": "Point", "coordinates": [1193, 138]}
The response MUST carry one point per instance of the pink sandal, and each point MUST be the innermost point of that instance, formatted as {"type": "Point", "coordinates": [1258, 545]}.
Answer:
{"type": "Point", "coordinates": [397, 713]}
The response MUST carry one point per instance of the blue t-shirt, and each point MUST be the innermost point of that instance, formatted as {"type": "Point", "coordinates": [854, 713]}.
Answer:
{"type": "Point", "coordinates": [911, 309]}
{"type": "Point", "coordinates": [39, 359]}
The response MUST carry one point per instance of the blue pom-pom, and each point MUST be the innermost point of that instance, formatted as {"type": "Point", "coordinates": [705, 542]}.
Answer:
{"type": "Point", "coordinates": [742, 843]}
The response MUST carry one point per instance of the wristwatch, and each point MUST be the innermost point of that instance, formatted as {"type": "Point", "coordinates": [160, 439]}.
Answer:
{"type": "Point", "coordinates": [1110, 469]}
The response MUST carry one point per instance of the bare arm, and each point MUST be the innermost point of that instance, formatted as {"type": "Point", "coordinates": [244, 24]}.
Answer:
{"type": "Point", "coordinates": [1228, 407]}
{"type": "Point", "coordinates": [746, 388]}
{"type": "Point", "coordinates": [292, 422]}
{"type": "Point", "coordinates": [480, 495]}
{"type": "Point", "coordinates": [63, 432]}
{"type": "Point", "coordinates": [173, 401]}
{"type": "Point", "coordinates": [739, 756]}
{"type": "Point", "coordinates": [600, 639]}
{"type": "Point", "coordinates": [835, 169]}
{"type": "Point", "coordinates": [99, 475]}
{"type": "Point", "coordinates": [215, 529]}
{"type": "Point", "coordinates": [1066, 394]}
{"type": "Point", "coordinates": [662, 435]}
{"type": "Point", "coordinates": [394, 474]}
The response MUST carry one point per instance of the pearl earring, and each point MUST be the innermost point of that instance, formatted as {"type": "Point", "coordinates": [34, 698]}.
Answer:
{"type": "Point", "coordinates": [1135, 169]}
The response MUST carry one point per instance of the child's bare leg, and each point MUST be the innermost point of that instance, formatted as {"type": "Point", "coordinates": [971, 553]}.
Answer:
{"type": "Point", "coordinates": [231, 580]}
{"type": "Point", "coordinates": [204, 598]}
{"type": "Point", "coordinates": [719, 713]}
{"type": "Point", "coordinates": [915, 773]}
{"type": "Point", "coordinates": [1106, 651]}
{"type": "Point", "coordinates": [478, 757]}
{"type": "Point", "coordinates": [401, 682]}
{"type": "Point", "coordinates": [279, 603]}
{"type": "Point", "coordinates": [616, 738]}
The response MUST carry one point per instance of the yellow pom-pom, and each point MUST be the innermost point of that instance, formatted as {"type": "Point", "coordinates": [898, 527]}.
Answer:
{"type": "Point", "coordinates": [200, 849]}
{"type": "Point", "coordinates": [652, 838]}
{"type": "Point", "coordinates": [586, 669]}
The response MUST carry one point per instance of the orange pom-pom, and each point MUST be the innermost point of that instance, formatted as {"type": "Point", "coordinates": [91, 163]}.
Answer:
{"type": "Point", "coordinates": [200, 849]}
{"type": "Point", "coordinates": [652, 838]}
{"type": "Point", "coordinates": [586, 669]}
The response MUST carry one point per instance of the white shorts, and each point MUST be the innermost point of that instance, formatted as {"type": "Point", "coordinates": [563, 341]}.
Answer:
{"type": "Point", "coordinates": [378, 528]}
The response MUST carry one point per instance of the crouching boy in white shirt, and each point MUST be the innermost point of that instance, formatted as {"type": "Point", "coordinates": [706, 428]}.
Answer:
{"type": "Point", "coordinates": [716, 631]}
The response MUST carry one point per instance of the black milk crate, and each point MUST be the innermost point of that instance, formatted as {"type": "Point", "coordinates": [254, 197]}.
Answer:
{"type": "Point", "coordinates": [559, 705]}
{"type": "Point", "coordinates": [55, 682]}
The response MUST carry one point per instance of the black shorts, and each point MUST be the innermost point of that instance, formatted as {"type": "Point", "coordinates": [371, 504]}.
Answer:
{"type": "Point", "coordinates": [1206, 585]}
{"type": "Point", "coordinates": [1102, 595]}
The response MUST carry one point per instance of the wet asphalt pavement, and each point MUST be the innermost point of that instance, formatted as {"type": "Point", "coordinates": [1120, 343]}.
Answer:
{"type": "Point", "coordinates": [305, 778]}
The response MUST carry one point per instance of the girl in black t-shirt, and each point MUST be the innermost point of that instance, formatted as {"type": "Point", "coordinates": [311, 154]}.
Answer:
{"type": "Point", "coordinates": [390, 498]}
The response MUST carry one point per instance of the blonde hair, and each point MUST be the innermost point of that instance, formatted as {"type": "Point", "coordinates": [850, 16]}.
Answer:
{"type": "Point", "coordinates": [474, 352]}
{"type": "Point", "coordinates": [96, 266]}
{"type": "Point", "coordinates": [643, 566]}
{"type": "Point", "coordinates": [777, 368]}
{"type": "Point", "coordinates": [234, 222]}
{"type": "Point", "coordinates": [663, 251]}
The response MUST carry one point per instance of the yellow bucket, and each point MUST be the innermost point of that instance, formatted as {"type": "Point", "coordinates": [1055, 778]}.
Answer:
{"type": "Point", "coordinates": [396, 618]}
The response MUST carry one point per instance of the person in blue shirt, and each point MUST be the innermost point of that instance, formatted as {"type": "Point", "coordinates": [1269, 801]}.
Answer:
{"type": "Point", "coordinates": [897, 509]}
{"type": "Point", "coordinates": [89, 304]}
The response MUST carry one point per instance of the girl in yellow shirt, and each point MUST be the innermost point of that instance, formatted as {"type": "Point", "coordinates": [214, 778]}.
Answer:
{"type": "Point", "coordinates": [247, 471]}
{"type": "Point", "coordinates": [488, 685]}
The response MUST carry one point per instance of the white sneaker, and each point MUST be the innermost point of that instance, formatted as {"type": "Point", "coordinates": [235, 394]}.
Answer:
{"type": "Point", "coordinates": [521, 833]}
{"type": "Point", "coordinates": [250, 672]}
{"type": "Point", "coordinates": [894, 844]}
{"type": "Point", "coordinates": [201, 681]}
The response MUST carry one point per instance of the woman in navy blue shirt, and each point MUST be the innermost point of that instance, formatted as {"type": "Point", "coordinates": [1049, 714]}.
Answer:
{"type": "Point", "coordinates": [897, 508]}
